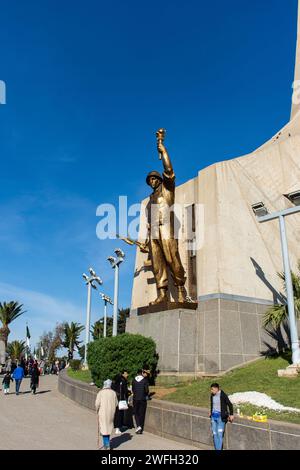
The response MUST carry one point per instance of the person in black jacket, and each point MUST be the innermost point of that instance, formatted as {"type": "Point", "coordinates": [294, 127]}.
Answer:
{"type": "Point", "coordinates": [13, 367]}
{"type": "Point", "coordinates": [221, 411]}
{"type": "Point", "coordinates": [6, 383]}
{"type": "Point", "coordinates": [35, 377]}
{"type": "Point", "coordinates": [140, 390]}
{"type": "Point", "coordinates": [120, 386]}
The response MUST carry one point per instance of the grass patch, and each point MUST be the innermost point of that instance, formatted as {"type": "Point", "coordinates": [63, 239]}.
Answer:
{"type": "Point", "coordinates": [84, 375]}
{"type": "Point", "coordinates": [260, 376]}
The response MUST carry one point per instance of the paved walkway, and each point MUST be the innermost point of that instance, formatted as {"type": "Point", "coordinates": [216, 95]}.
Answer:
{"type": "Point", "coordinates": [48, 420]}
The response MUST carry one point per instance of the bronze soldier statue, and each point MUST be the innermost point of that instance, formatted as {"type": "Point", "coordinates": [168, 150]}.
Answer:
{"type": "Point", "coordinates": [162, 243]}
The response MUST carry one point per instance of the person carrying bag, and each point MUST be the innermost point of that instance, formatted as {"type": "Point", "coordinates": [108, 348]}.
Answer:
{"type": "Point", "coordinates": [120, 386]}
{"type": "Point", "coordinates": [123, 405]}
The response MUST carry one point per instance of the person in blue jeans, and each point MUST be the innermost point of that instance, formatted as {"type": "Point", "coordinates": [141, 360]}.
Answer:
{"type": "Point", "coordinates": [221, 411]}
{"type": "Point", "coordinates": [18, 376]}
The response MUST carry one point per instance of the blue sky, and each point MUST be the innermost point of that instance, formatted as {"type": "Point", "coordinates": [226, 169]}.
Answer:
{"type": "Point", "coordinates": [88, 83]}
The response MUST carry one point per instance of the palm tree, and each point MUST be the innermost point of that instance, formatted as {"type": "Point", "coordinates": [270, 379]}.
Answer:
{"type": "Point", "coordinates": [123, 314]}
{"type": "Point", "coordinates": [278, 314]}
{"type": "Point", "coordinates": [16, 349]}
{"type": "Point", "coordinates": [81, 352]}
{"type": "Point", "coordinates": [98, 328]}
{"type": "Point", "coordinates": [71, 337]}
{"type": "Point", "coordinates": [8, 313]}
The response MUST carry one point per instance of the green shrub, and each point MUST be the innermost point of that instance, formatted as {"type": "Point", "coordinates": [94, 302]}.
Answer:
{"type": "Point", "coordinates": [75, 364]}
{"type": "Point", "coordinates": [108, 356]}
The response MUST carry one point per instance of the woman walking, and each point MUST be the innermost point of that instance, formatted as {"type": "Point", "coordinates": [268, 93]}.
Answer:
{"type": "Point", "coordinates": [35, 376]}
{"type": "Point", "coordinates": [106, 404]}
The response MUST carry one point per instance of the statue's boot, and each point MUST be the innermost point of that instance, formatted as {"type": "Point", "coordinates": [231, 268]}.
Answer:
{"type": "Point", "coordinates": [162, 296]}
{"type": "Point", "coordinates": [181, 294]}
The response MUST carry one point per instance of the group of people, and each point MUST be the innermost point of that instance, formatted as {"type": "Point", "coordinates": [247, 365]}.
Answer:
{"type": "Point", "coordinates": [56, 366]}
{"type": "Point", "coordinates": [26, 364]}
{"type": "Point", "coordinates": [45, 367]}
{"type": "Point", "coordinates": [117, 402]}
{"type": "Point", "coordinates": [17, 372]}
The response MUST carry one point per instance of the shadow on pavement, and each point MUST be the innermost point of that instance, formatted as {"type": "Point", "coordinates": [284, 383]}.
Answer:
{"type": "Point", "coordinates": [29, 391]}
{"type": "Point", "coordinates": [119, 440]}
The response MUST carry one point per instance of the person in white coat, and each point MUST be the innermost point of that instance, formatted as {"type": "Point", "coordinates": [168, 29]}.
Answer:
{"type": "Point", "coordinates": [106, 404]}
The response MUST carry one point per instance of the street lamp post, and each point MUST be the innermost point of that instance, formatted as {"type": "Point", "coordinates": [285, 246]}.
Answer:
{"type": "Point", "coordinates": [115, 263]}
{"type": "Point", "coordinates": [288, 277]}
{"type": "Point", "coordinates": [90, 284]}
{"type": "Point", "coordinates": [107, 300]}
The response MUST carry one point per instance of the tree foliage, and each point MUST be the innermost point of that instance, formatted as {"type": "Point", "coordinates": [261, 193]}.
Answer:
{"type": "Point", "coordinates": [52, 341]}
{"type": "Point", "coordinates": [75, 364]}
{"type": "Point", "coordinates": [122, 316]}
{"type": "Point", "coordinates": [108, 356]}
{"type": "Point", "coordinates": [71, 340]}
{"type": "Point", "coordinates": [278, 314]}
{"type": "Point", "coordinates": [9, 311]}
{"type": "Point", "coordinates": [16, 349]}
{"type": "Point", "coordinates": [98, 327]}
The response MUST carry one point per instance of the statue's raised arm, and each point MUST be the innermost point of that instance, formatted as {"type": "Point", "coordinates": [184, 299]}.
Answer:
{"type": "Point", "coordinates": [163, 153]}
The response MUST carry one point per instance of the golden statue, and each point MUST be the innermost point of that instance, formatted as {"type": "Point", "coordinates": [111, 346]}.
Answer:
{"type": "Point", "coordinates": [162, 244]}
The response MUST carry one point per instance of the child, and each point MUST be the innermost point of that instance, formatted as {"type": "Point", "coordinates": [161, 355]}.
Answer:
{"type": "Point", "coordinates": [6, 382]}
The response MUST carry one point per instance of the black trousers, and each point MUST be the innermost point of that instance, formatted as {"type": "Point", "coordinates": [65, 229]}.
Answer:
{"type": "Point", "coordinates": [119, 418]}
{"type": "Point", "coordinates": [140, 407]}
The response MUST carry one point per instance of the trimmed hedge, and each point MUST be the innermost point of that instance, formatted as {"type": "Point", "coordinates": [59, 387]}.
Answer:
{"type": "Point", "coordinates": [75, 364]}
{"type": "Point", "coordinates": [108, 356]}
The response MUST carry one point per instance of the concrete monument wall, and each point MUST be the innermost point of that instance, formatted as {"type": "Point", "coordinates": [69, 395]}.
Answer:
{"type": "Point", "coordinates": [237, 258]}
{"type": "Point", "coordinates": [219, 335]}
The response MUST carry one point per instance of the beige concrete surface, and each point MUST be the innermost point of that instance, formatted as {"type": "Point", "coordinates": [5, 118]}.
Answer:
{"type": "Point", "coordinates": [296, 103]}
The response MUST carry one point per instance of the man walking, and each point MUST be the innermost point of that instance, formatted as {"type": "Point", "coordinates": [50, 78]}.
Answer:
{"type": "Point", "coordinates": [35, 376]}
{"type": "Point", "coordinates": [221, 411]}
{"type": "Point", "coordinates": [140, 390]}
{"type": "Point", "coordinates": [18, 375]}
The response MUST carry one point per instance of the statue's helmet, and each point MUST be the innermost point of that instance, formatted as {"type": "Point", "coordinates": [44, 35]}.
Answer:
{"type": "Point", "coordinates": [153, 173]}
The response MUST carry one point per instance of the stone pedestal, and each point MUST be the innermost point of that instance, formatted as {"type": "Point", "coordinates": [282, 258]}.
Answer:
{"type": "Point", "coordinates": [220, 334]}
{"type": "Point", "coordinates": [176, 333]}
{"type": "Point", "coordinates": [164, 306]}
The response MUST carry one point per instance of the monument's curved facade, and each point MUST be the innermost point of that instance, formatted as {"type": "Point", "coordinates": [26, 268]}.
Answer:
{"type": "Point", "coordinates": [233, 272]}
